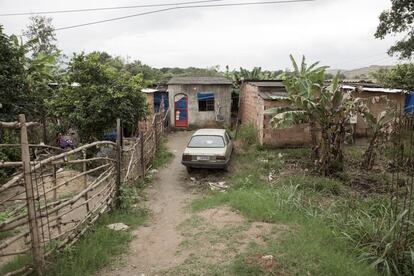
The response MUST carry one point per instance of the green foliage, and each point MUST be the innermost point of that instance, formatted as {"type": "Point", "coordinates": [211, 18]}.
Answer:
{"type": "Point", "coordinates": [100, 93]}
{"type": "Point", "coordinates": [163, 156]}
{"type": "Point", "coordinates": [97, 248]}
{"type": "Point", "coordinates": [328, 224]}
{"type": "Point", "coordinates": [238, 76]}
{"type": "Point", "coordinates": [41, 31]}
{"type": "Point", "coordinates": [318, 184]}
{"type": "Point", "coordinates": [326, 108]}
{"type": "Point", "coordinates": [247, 135]}
{"type": "Point", "coordinates": [401, 76]}
{"type": "Point", "coordinates": [13, 93]}
{"type": "Point", "coordinates": [398, 20]}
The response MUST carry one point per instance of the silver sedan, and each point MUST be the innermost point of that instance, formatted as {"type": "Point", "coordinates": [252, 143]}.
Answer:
{"type": "Point", "coordinates": [208, 148]}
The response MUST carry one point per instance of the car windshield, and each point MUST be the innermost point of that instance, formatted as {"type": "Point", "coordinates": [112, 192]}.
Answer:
{"type": "Point", "coordinates": [206, 141]}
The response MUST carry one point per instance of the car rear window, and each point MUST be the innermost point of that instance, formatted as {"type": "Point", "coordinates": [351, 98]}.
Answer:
{"type": "Point", "coordinates": [206, 141]}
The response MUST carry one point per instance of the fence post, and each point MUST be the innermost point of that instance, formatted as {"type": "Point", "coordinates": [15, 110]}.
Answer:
{"type": "Point", "coordinates": [156, 132]}
{"type": "Point", "coordinates": [141, 142]}
{"type": "Point", "coordinates": [85, 181]}
{"type": "Point", "coordinates": [118, 160]}
{"type": "Point", "coordinates": [37, 251]}
{"type": "Point", "coordinates": [58, 220]}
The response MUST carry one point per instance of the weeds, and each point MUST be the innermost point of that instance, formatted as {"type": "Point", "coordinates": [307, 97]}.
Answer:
{"type": "Point", "coordinates": [247, 135]}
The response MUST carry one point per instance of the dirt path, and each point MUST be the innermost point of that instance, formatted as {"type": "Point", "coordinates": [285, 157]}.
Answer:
{"type": "Point", "coordinates": [155, 245]}
{"type": "Point", "coordinates": [178, 242]}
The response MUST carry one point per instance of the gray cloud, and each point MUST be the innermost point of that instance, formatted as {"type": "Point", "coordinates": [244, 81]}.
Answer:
{"type": "Point", "coordinates": [337, 32]}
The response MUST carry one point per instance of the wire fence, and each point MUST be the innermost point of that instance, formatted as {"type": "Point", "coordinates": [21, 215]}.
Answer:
{"type": "Point", "coordinates": [401, 152]}
{"type": "Point", "coordinates": [51, 201]}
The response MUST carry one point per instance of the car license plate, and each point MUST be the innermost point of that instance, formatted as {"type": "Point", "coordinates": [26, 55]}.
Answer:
{"type": "Point", "coordinates": [203, 158]}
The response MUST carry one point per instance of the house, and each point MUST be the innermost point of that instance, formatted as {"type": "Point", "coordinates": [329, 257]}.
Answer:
{"type": "Point", "coordinates": [368, 89]}
{"type": "Point", "coordinates": [155, 96]}
{"type": "Point", "coordinates": [258, 96]}
{"type": "Point", "coordinates": [199, 101]}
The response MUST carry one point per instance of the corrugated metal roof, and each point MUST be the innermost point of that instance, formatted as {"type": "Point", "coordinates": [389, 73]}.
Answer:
{"type": "Point", "coordinates": [372, 89]}
{"type": "Point", "coordinates": [267, 83]}
{"type": "Point", "coordinates": [273, 95]}
{"type": "Point", "coordinates": [199, 80]}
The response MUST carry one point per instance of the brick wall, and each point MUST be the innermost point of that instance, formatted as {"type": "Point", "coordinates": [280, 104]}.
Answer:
{"type": "Point", "coordinates": [252, 108]}
{"type": "Point", "coordinates": [298, 135]}
{"type": "Point", "coordinates": [361, 127]}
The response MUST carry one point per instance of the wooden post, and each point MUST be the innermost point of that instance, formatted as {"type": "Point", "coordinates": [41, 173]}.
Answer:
{"type": "Point", "coordinates": [142, 138]}
{"type": "Point", "coordinates": [156, 132]}
{"type": "Point", "coordinates": [37, 250]}
{"type": "Point", "coordinates": [85, 181]}
{"type": "Point", "coordinates": [55, 198]}
{"type": "Point", "coordinates": [118, 160]}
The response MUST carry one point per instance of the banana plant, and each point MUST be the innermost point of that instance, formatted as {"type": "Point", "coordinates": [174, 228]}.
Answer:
{"type": "Point", "coordinates": [382, 127]}
{"type": "Point", "coordinates": [326, 109]}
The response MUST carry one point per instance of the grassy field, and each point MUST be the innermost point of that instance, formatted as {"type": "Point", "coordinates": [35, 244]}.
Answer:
{"type": "Point", "coordinates": [333, 228]}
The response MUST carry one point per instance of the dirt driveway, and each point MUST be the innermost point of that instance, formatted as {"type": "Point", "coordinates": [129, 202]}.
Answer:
{"type": "Point", "coordinates": [176, 241]}
{"type": "Point", "coordinates": [154, 246]}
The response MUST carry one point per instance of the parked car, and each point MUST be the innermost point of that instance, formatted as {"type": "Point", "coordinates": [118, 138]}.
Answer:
{"type": "Point", "coordinates": [208, 149]}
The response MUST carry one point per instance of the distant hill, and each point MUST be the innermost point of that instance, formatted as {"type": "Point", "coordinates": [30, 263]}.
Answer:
{"type": "Point", "coordinates": [360, 73]}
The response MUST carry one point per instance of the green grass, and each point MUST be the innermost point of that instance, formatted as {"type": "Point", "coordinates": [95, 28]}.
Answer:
{"type": "Point", "coordinates": [163, 155]}
{"type": "Point", "coordinates": [98, 247]}
{"type": "Point", "coordinates": [314, 243]}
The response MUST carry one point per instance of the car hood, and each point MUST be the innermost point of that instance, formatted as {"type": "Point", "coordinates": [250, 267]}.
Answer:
{"type": "Point", "coordinates": [205, 151]}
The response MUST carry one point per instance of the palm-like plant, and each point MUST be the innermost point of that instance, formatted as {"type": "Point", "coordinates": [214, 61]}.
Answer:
{"type": "Point", "coordinates": [382, 127]}
{"type": "Point", "coordinates": [326, 109]}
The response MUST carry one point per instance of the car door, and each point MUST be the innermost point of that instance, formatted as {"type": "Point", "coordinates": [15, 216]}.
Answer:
{"type": "Point", "coordinates": [229, 146]}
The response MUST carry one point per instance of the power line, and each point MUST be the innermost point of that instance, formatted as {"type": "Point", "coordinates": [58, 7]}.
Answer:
{"type": "Point", "coordinates": [182, 7]}
{"type": "Point", "coordinates": [108, 8]}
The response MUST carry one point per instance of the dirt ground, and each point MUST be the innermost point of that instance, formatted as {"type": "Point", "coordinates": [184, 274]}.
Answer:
{"type": "Point", "coordinates": [176, 241]}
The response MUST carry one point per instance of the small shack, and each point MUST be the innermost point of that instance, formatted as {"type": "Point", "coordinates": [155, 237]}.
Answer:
{"type": "Point", "coordinates": [368, 89]}
{"type": "Point", "coordinates": [199, 101]}
{"type": "Point", "coordinates": [258, 96]}
{"type": "Point", "coordinates": [155, 95]}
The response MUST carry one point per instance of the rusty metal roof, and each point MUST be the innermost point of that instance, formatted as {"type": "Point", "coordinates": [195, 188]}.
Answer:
{"type": "Point", "coordinates": [267, 83]}
{"type": "Point", "coordinates": [199, 80]}
{"type": "Point", "coordinates": [273, 95]}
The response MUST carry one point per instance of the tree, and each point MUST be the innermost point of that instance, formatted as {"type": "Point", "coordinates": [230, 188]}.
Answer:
{"type": "Point", "coordinates": [326, 108]}
{"type": "Point", "coordinates": [41, 31]}
{"type": "Point", "coordinates": [398, 20]}
{"type": "Point", "coordinates": [13, 93]}
{"type": "Point", "coordinates": [97, 93]}
{"type": "Point", "coordinates": [401, 76]}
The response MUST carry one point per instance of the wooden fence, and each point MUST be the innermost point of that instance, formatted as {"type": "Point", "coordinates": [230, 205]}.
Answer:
{"type": "Point", "coordinates": [54, 197]}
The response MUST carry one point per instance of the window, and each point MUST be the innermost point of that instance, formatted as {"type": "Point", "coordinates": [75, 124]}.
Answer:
{"type": "Point", "coordinates": [206, 141]}
{"type": "Point", "coordinates": [205, 101]}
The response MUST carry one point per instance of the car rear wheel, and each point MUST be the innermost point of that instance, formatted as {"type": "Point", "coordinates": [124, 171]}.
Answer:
{"type": "Point", "coordinates": [189, 169]}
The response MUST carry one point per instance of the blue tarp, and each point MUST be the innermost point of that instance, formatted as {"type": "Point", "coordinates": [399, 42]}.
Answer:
{"type": "Point", "coordinates": [205, 96]}
{"type": "Point", "coordinates": [181, 103]}
{"type": "Point", "coordinates": [409, 103]}
{"type": "Point", "coordinates": [158, 99]}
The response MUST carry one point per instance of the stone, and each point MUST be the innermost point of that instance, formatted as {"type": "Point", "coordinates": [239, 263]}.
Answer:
{"type": "Point", "coordinates": [267, 257]}
{"type": "Point", "coordinates": [118, 226]}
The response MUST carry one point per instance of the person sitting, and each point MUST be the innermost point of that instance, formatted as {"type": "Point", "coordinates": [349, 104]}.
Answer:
{"type": "Point", "coordinates": [64, 143]}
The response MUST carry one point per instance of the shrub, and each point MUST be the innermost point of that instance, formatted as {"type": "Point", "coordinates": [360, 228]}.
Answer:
{"type": "Point", "coordinates": [247, 135]}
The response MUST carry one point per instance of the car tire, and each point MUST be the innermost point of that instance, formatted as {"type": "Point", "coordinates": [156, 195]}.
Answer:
{"type": "Point", "coordinates": [189, 169]}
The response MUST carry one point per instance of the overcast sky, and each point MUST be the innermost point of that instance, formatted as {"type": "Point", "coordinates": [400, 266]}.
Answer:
{"type": "Point", "coordinates": [339, 33]}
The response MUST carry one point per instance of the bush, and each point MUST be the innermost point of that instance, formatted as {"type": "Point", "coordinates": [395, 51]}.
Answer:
{"type": "Point", "coordinates": [247, 135]}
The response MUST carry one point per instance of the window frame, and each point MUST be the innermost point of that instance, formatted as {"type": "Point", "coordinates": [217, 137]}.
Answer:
{"type": "Point", "coordinates": [208, 105]}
